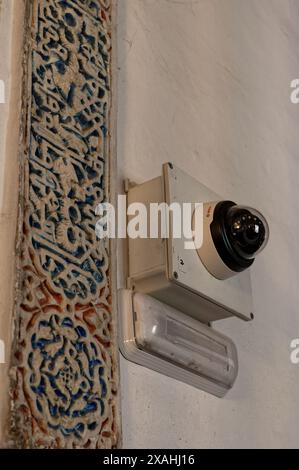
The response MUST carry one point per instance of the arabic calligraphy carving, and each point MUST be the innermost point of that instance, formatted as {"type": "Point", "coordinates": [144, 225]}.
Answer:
{"type": "Point", "coordinates": [64, 369]}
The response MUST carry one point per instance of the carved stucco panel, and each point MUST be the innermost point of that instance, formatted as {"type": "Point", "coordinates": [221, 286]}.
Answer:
{"type": "Point", "coordinates": [64, 372]}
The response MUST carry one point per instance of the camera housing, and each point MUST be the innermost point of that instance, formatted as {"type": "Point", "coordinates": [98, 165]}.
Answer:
{"type": "Point", "coordinates": [168, 283]}
{"type": "Point", "coordinates": [200, 282]}
{"type": "Point", "coordinates": [232, 237]}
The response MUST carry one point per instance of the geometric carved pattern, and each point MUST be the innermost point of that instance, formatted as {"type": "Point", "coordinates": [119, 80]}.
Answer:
{"type": "Point", "coordinates": [64, 371]}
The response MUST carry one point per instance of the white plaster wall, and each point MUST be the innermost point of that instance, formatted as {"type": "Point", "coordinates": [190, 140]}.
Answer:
{"type": "Point", "coordinates": [205, 84]}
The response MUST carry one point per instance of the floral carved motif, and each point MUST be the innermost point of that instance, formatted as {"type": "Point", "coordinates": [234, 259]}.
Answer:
{"type": "Point", "coordinates": [64, 370]}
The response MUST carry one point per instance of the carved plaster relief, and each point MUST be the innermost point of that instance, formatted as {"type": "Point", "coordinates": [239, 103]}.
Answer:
{"type": "Point", "coordinates": [64, 374]}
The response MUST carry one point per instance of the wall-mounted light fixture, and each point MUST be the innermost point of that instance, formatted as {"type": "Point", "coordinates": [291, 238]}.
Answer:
{"type": "Point", "coordinates": [164, 339]}
{"type": "Point", "coordinates": [176, 290]}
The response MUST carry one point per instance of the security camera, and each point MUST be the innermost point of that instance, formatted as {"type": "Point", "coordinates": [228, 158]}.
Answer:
{"type": "Point", "coordinates": [210, 280]}
{"type": "Point", "coordinates": [232, 237]}
{"type": "Point", "coordinates": [177, 285]}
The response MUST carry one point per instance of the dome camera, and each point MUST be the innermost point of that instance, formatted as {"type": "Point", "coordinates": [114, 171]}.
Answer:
{"type": "Point", "coordinates": [232, 237]}
{"type": "Point", "coordinates": [207, 278]}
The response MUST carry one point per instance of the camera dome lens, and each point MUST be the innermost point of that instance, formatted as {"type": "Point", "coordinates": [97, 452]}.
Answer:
{"type": "Point", "coordinates": [247, 230]}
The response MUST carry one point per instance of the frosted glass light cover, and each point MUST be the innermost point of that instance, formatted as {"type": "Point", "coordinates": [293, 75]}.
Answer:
{"type": "Point", "coordinates": [166, 340]}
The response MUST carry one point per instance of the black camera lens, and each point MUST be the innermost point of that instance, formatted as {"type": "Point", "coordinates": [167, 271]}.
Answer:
{"type": "Point", "coordinates": [239, 233]}
{"type": "Point", "coordinates": [246, 230]}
